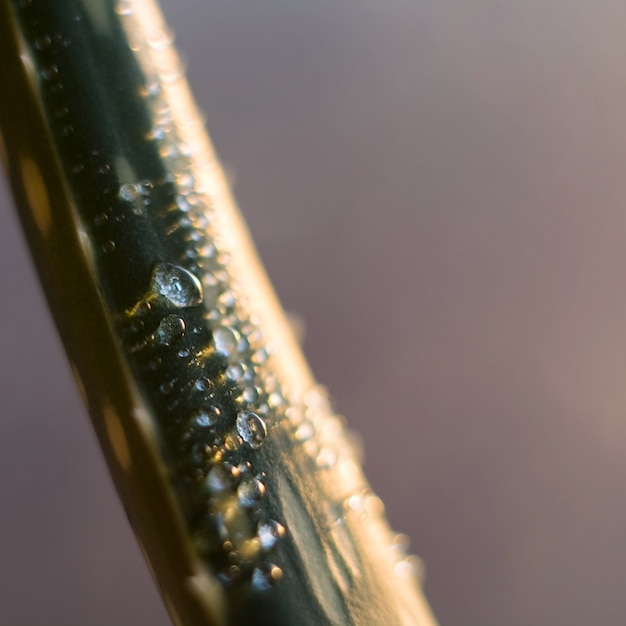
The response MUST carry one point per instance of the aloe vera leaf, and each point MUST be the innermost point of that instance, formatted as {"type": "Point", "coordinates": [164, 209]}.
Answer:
{"type": "Point", "coordinates": [240, 483]}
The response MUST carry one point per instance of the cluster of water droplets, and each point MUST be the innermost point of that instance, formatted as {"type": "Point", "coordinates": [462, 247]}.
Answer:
{"type": "Point", "coordinates": [208, 377]}
{"type": "Point", "coordinates": [203, 352]}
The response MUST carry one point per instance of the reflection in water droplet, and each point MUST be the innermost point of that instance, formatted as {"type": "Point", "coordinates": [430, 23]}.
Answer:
{"type": "Point", "coordinates": [225, 340]}
{"type": "Point", "coordinates": [269, 533]}
{"type": "Point", "coordinates": [252, 429]}
{"type": "Point", "coordinates": [250, 492]}
{"type": "Point", "coordinates": [175, 283]}
{"type": "Point", "coordinates": [170, 330]}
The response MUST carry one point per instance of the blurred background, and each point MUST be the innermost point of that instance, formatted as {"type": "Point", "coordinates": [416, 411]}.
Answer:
{"type": "Point", "coordinates": [439, 189]}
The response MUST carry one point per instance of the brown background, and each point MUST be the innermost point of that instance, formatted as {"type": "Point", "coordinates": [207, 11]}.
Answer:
{"type": "Point", "coordinates": [439, 188]}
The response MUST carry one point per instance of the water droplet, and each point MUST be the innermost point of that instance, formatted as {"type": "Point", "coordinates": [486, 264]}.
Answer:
{"type": "Point", "coordinates": [235, 372]}
{"type": "Point", "coordinates": [154, 364]}
{"type": "Point", "coordinates": [260, 356]}
{"type": "Point", "coordinates": [137, 326]}
{"type": "Point", "coordinates": [326, 458]}
{"type": "Point", "coordinates": [305, 431]}
{"type": "Point", "coordinates": [265, 577]}
{"type": "Point", "coordinates": [50, 72]}
{"type": "Point", "coordinates": [205, 417]}
{"type": "Point", "coordinates": [41, 43]}
{"type": "Point", "coordinates": [108, 247]}
{"type": "Point", "coordinates": [250, 492]}
{"type": "Point", "coordinates": [167, 387]}
{"type": "Point", "coordinates": [408, 568]}
{"type": "Point", "coordinates": [184, 353]}
{"type": "Point", "coordinates": [182, 204]}
{"type": "Point", "coordinates": [250, 394]}
{"type": "Point", "coordinates": [269, 533]}
{"type": "Point", "coordinates": [217, 479]}
{"type": "Point", "coordinates": [170, 329]}
{"type": "Point", "coordinates": [175, 283]}
{"type": "Point", "coordinates": [101, 219]}
{"type": "Point", "coordinates": [202, 384]}
{"type": "Point", "coordinates": [252, 429]}
{"type": "Point", "coordinates": [143, 308]}
{"type": "Point", "coordinates": [145, 187]}
{"type": "Point", "coordinates": [225, 340]}
{"type": "Point", "coordinates": [124, 7]}
{"type": "Point", "coordinates": [128, 192]}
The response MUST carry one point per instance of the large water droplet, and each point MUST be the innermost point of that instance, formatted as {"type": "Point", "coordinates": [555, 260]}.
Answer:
{"type": "Point", "coordinates": [269, 533]}
{"type": "Point", "coordinates": [170, 330]}
{"type": "Point", "coordinates": [252, 429]}
{"type": "Point", "coordinates": [175, 283]}
{"type": "Point", "coordinates": [225, 340]}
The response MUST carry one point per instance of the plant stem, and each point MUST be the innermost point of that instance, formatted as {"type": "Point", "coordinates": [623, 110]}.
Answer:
{"type": "Point", "coordinates": [243, 490]}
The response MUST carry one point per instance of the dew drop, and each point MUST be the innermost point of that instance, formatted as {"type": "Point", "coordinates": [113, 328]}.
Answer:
{"type": "Point", "coordinates": [269, 533]}
{"type": "Point", "coordinates": [252, 429]}
{"type": "Point", "coordinates": [250, 492]}
{"type": "Point", "coordinates": [167, 387]}
{"type": "Point", "coordinates": [217, 479]}
{"type": "Point", "coordinates": [137, 326]}
{"type": "Point", "coordinates": [128, 192]}
{"type": "Point", "coordinates": [50, 72]}
{"type": "Point", "coordinates": [198, 454]}
{"type": "Point", "coordinates": [225, 340]}
{"type": "Point", "coordinates": [305, 431]}
{"type": "Point", "coordinates": [108, 247]}
{"type": "Point", "coordinates": [101, 219]}
{"type": "Point", "coordinates": [202, 383]}
{"type": "Point", "coordinates": [176, 284]}
{"type": "Point", "coordinates": [145, 187]}
{"type": "Point", "coordinates": [124, 7]}
{"type": "Point", "coordinates": [170, 330]}
{"type": "Point", "coordinates": [235, 372]}
{"type": "Point", "coordinates": [41, 43]}
{"type": "Point", "coordinates": [265, 577]}
{"type": "Point", "coordinates": [205, 417]}
{"type": "Point", "coordinates": [250, 394]}
{"type": "Point", "coordinates": [154, 364]}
